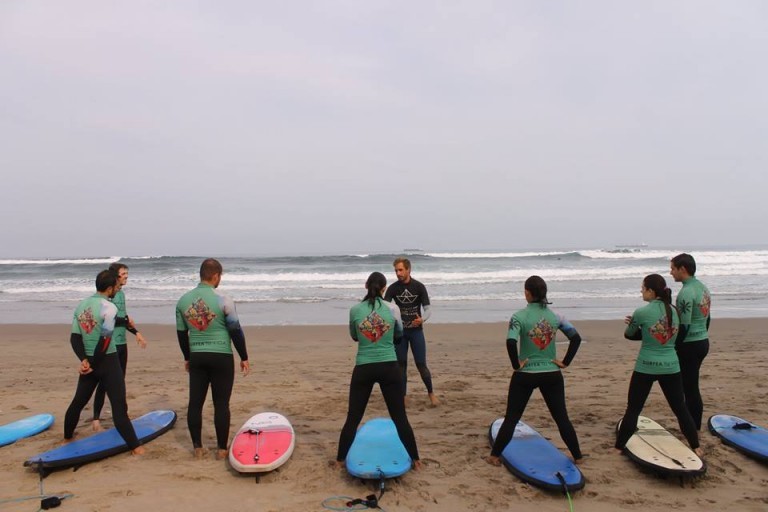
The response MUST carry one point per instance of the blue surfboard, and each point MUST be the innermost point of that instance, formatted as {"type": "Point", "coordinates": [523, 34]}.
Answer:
{"type": "Point", "coordinates": [377, 451]}
{"type": "Point", "coordinates": [535, 460]}
{"type": "Point", "coordinates": [104, 444]}
{"type": "Point", "coordinates": [739, 433]}
{"type": "Point", "coordinates": [27, 427]}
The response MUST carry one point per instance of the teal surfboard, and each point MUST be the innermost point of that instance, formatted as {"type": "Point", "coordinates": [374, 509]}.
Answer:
{"type": "Point", "coordinates": [104, 444]}
{"type": "Point", "coordinates": [377, 451]}
{"type": "Point", "coordinates": [26, 427]}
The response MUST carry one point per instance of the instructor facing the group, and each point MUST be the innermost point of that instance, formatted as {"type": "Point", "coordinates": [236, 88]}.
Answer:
{"type": "Point", "coordinates": [411, 297]}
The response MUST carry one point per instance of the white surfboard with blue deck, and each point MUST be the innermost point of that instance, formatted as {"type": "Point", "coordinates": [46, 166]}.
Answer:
{"type": "Point", "coordinates": [27, 427]}
{"type": "Point", "coordinates": [533, 459]}
{"type": "Point", "coordinates": [748, 438]}
{"type": "Point", "coordinates": [377, 451]}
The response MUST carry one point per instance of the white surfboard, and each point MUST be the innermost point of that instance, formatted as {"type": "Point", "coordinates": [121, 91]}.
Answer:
{"type": "Point", "coordinates": [656, 448]}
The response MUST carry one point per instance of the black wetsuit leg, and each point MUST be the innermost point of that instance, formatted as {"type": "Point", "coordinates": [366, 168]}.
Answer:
{"type": "Point", "coordinates": [639, 389]}
{"type": "Point", "coordinates": [672, 386]}
{"type": "Point", "coordinates": [98, 398]}
{"type": "Point", "coordinates": [691, 355]}
{"type": "Point", "coordinates": [360, 387]}
{"type": "Point", "coordinates": [391, 384]}
{"type": "Point", "coordinates": [552, 387]}
{"type": "Point", "coordinates": [521, 386]}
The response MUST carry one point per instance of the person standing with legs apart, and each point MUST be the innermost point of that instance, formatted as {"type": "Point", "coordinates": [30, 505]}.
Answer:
{"type": "Point", "coordinates": [694, 306]}
{"type": "Point", "coordinates": [376, 326]}
{"type": "Point", "coordinates": [411, 297]}
{"type": "Point", "coordinates": [122, 324]}
{"type": "Point", "coordinates": [537, 366]}
{"type": "Point", "coordinates": [91, 339]}
{"type": "Point", "coordinates": [207, 326]}
{"type": "Point", "coordinates": [656, 324]}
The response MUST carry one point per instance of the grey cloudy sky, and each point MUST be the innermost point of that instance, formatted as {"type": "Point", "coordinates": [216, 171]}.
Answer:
{"type": "Point", "coordinates": [251, 127]}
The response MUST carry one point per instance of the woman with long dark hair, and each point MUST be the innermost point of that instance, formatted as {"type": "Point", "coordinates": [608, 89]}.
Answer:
{"type": "Point", "coordinates": [656, 324]}
{"type": "Point", "coordinates": [375, 324]}
{"type": "Point", "coordinates": [537, 366]}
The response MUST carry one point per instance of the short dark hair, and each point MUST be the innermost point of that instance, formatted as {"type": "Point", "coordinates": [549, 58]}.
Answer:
{"type": "Point", "coordinates": [117, 267]}
{"type": "Point", "coordinates": [105, 279]}
{"type": "Point", "coordinates": [685, 261]}
{"type": "Point", "coordinates": [209, 268]}
{"type": "Point", "coordinates": [405, 261]}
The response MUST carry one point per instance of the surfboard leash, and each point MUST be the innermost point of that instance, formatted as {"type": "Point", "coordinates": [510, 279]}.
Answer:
{"type": "Point", "coordinates": [369, 502]}
{"type": "Point", "coordinates": [565, 489]}
{"type": "Point", "coordinates": [662, 452]}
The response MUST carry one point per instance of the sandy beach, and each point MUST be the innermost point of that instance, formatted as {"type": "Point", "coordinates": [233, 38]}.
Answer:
{"type": "Point", "coordinates": [303, 373]}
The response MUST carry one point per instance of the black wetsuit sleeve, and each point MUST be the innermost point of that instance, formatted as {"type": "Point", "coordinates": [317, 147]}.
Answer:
{"type": "Point", "coordinates": [512, 352]}
{"type": "Point", "coordinates": [238, 340]}
{"type": "Point", "coordinates": [636, 336]}
{"type": "Point", "coordinates": [708, 320]}
{"type": "Point", "coordinates": [183, 337]}
{"type": "Point", "coordinates": [76, 340]}
{"type": "Point", "coordinates": [682, 333]}
{"type": "Point", "coordinates": [121, 321]}
{"type": "Point", "coordinates": [573, 347]}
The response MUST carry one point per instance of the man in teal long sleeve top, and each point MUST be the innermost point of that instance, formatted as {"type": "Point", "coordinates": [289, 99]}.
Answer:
{"type": "Point", "coordinates": [694, 305]}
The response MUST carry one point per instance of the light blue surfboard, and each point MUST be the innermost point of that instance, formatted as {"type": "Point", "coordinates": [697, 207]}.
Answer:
{"type": "Point", "coordinates": [377, 451]}
{"type": "Point", "coordinates": [27, 427]}
{"type": "Point", "coordinates": [104, 444]}
{"type": "Point", "coordinates": [535, 460]}
{"type": "Point", "coordinates": [741, 434]}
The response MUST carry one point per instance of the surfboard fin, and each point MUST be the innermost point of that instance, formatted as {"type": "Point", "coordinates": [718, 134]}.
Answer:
{"type": "Point", "coordinates": [743, 426]}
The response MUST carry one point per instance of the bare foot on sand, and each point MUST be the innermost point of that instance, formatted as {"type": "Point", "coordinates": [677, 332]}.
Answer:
{"type": "Point", "coordinates": [140, 450]}
{"type": "Point", "coordinates": [492, 460]}
{"type": "Point", "coordinates": [433, 399]}
{"type": "Point", "coordinates": [221, 454]}
{"type": "Point", "coordinates": [336, 464]}
{"type": "Point", "coordinates": [698, 451]}
{"type": "Point", "coordinates": [417, 465]}
{"type": "Point", "coordinates": [200, 453]}
{"type": "Point", "coordinates": [96, 426]}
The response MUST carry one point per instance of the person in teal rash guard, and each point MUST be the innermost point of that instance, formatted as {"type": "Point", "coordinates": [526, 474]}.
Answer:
{"type": "Point", "coordinates": [656, 324]}
{"type": "Point", "coordinates": [694, 305]}
{"type": "Point", "coordinates": [537, 366]}
{"type": "Point", "coordinates": [91, 340]}
{"type": "Point", "coordinates": [123, 323]}
{"type": "Point", "coordinates": [207, 326]}
{"type": "Point", "coordinates": [375, 324]}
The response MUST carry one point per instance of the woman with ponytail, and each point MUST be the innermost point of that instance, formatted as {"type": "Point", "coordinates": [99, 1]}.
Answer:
{"type": "Point", "coordinates": [656, 324]}
{"type": "Point", "coordinates": [537, 366]}
{"type": "Point", "coordinates": [376, 326]}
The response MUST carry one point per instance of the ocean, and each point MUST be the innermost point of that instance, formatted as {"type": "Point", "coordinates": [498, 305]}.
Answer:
{"type": "Point", "coordinates": [468, 286]}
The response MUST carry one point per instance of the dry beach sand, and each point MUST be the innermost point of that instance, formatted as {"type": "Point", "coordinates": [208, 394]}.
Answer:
{"type": "Point", "coordinates": [303, 373]}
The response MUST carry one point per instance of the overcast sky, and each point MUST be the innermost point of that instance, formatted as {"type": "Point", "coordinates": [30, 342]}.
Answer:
{"type": "Point", "coordinates": [251, 127]}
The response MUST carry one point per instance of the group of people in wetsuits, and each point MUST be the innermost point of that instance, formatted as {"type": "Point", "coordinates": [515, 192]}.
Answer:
{"type": "Point", "coordinates": [674, 345]}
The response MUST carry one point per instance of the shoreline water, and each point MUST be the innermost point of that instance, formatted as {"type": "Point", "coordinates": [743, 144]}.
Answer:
{"type": "Point", "coordinates": [463, 286]}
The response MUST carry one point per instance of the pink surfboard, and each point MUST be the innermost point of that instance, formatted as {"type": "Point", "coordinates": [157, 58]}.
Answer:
{"type": "Point", "coordinates": [265, 442]}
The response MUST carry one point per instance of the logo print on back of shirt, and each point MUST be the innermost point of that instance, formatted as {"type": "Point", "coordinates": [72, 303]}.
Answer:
{"type": "Point", "coordinates": [374, 327]}
{"type": "Point", "coordinates": [199, 315]}
{"type": "Point", "coordinates": [661, 333]}
{"type": "Point", "coordinates": [706, 302]}
{"type": "Point", "coordinates": [542, 334]}
{"type": "Point", "coordinates": [86, 320]}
